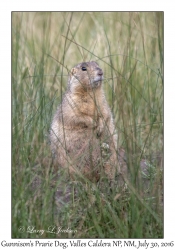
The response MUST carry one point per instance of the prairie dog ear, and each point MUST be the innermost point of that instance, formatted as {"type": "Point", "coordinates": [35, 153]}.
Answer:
{"type": "Point", "coordinates": [73, 71]}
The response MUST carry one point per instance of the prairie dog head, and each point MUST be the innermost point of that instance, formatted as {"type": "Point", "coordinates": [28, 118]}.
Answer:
{"type": "Point", "coordinates": [85, 75]}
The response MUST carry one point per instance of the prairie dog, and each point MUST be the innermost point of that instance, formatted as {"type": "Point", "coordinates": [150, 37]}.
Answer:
{"type": "Point", "coordinates": [82, 133]}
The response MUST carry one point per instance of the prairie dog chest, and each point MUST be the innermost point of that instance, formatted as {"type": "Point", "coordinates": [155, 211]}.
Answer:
{"type": "Point", "coordinates": [90, 105]}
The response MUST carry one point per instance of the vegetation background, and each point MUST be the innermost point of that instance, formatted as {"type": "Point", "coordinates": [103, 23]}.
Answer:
{"type": "Point", "coordinates": [129, 48]}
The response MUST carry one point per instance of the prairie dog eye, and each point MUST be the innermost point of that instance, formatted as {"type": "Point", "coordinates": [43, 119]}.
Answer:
{"type": "Point", "coordinates": [84, 68]}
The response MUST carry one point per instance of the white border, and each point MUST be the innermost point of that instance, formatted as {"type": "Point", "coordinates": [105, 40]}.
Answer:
{"type": "Point", "coordinates": [5, 92]}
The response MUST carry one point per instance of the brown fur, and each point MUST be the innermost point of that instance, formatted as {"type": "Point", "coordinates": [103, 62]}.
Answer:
{"type": "Point", "coordinates": [83, 124]}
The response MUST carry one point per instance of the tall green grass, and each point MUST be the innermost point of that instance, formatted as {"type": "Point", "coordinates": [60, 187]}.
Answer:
{"type": "Point", "coordinates": [129, 48]}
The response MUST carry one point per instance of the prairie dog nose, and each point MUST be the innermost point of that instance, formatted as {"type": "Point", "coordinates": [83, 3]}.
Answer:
{"type": "Point", "coordinates": [100, 72]}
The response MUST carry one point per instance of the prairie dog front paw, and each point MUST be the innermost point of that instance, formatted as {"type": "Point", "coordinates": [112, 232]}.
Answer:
{"type": "Point", "coordinates": [100, 127]}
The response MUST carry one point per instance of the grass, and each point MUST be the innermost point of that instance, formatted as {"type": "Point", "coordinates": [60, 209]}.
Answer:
{"type": "Point", "coordinates": [129, 48]}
